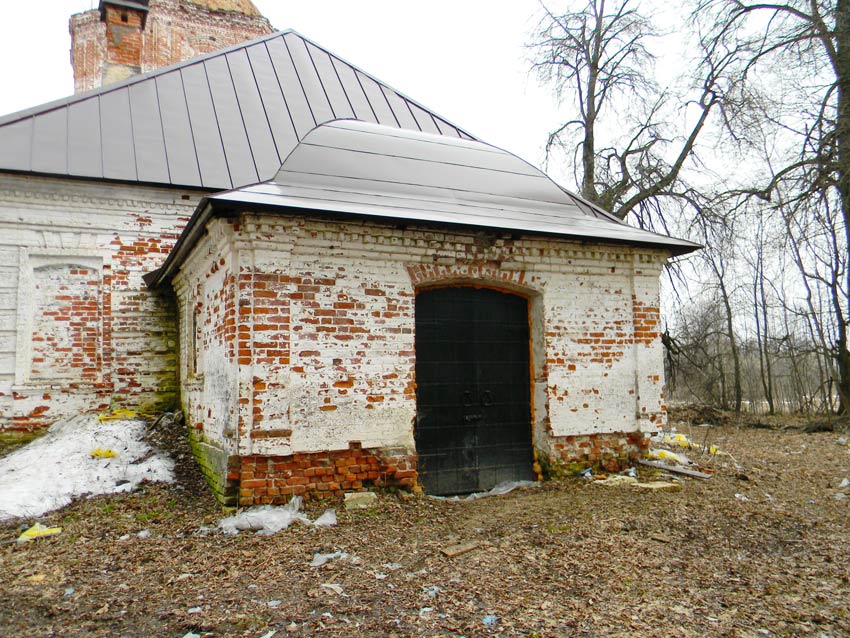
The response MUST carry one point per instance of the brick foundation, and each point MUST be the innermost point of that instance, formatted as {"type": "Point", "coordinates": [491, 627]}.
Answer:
{"type": "Point", "coordinates": [611, 452]}
{"type": "Point", "coordinates": [275, 479]}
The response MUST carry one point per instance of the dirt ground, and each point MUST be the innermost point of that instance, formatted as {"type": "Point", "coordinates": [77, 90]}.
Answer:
{"type": "Point", "coordinates": [760, 549]}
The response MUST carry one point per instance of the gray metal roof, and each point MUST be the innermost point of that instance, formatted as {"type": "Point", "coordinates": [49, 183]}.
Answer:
{"type": "Point", "coordinates": [219, 121]}
{"type": "Point", "coordinates": [368, 170]}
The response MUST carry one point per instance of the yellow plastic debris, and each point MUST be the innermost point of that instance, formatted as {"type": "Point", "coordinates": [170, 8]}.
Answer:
{"type": "Point", "coordinates": [117, 415]}
{"type": "Point", "coordinates": [103, 453]}
{"type": "Point", "coordinates": [667, 455]}
{"type": "Point", "coordinates": [37, 531]}
{"type": "Point", "coordinates": [683, 441]}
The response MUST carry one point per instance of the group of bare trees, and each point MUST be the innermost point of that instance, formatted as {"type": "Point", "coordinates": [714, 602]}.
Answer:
{"type": "Point", "coordinates": [745, 147]}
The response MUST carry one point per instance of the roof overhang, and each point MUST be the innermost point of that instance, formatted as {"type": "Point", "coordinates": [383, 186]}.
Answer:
{"type": "Point", "coordinates": [347, 168]}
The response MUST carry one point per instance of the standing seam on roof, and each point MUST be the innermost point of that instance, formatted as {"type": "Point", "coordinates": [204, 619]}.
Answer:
{"type": "Point", "coordinates": [322, 84]}
{"type": "Point", "coordinates": [265, 110]}
{"type": "Point", "coordinates": [341, 85]}
{"type": "Point", "coordinates": [282, 94]}
{"type": "Point", "coordinates": [162, 129]}
{"type": "Point", "coordinates": [384, 95]}
{"type": "Point", "coordinates": [217, 128]}
{"type": "Point", "coordinates": [132, 133]}
{"type": "Point", "coordinates": [301, 84]}
{"type": "Point", "coordinates": [242, 117]}
{"type": "Point", "coordinates": [191, 127]}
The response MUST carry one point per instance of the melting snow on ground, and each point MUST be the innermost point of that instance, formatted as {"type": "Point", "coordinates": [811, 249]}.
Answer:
{"type": "Point", "coordinates": [60, 466]}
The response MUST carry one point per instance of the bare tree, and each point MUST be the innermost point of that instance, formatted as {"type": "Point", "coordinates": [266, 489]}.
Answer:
{"type": "Point", "coordinates": [596, 54]}
{"type": "Point", "coordinates": [809, 116]}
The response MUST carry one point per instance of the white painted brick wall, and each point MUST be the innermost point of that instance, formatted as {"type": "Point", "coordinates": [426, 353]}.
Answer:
{"type": "Point", "coordinates": [340, 387]}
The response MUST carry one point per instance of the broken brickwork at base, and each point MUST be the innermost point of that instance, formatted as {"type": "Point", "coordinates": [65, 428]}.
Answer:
{"type": "Point", "coordinates": [276, 479]}
{"type": "Point", "coordinates": [612, 452]}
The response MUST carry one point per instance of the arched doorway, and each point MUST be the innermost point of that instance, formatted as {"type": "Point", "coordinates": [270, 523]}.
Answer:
{"type": "Point", "coordinates": [473, 423]}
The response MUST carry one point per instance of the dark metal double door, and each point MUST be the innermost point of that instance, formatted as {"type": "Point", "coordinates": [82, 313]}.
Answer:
{"type": "Point", "coordinates": [473, 424]}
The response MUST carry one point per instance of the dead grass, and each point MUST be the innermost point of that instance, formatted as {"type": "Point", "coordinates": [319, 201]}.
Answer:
{"type": "Point", "coordinates": [763, 548]}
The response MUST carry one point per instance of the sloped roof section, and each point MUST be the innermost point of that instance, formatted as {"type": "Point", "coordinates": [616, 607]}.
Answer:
{"type": "Point", "coordinates": [219, 121]}
{"type": "Point", "coordinates": [368, 170]}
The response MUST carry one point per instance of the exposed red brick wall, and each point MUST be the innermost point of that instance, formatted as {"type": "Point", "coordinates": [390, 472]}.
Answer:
{"type": "Point", "coordinates": [611, 452]}
{"type": "Point", "coordinates": [104, 50]}
{"type": "Point", "coordinates": [123, 35]}
{"type": "Point", "coordinates": [275, 479]}
{"type": "Point", "coordinates": [66, 333]}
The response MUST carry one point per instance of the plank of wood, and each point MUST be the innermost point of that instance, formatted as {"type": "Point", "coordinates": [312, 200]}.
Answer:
{"type": "Point", "coordinates": [677, 470]}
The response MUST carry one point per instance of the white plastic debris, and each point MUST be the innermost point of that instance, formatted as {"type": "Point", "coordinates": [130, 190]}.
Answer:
{"type": "Point", "coordinates": [270, 519]}
{"type": "Point", "coordinates": [844, 483]}
{"type": "Point", "coordinates": [499, 490]}
{"type": "Point", "coordinates": [327, 519]}
{"type": "Point", "coordinates": [145, 533]}
{"type": "Point", "coordinates": [667, 455]}
{"type": "Point", "coordinates": [51, 471]}
{"type": "Point", "coordinates": [320, 559]}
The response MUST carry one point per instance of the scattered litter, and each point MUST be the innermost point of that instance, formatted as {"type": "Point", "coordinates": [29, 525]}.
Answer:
{"type": "Point", "coordinates": [52, 470]}
{"type": "Point", "coordinates": [632, 471]}
{"type": "Point", "coordinates": [658, 486]}
{"type": "Point", "coordinates": [490, 619]}
{"type": "Point", "coordinates": [499, 490]}
{"type": "Point", "coordinates": [742, 497]}
{"type": "Point", "coordinates": [274, 604]}
{"type": "Point", "coordinates": [380, 575]}
{"type": "Point", "coordinates": [425, 611]}
{"type": "Point", "coordinates": [335, 588]}
{"type": "Point", "coordinates": [586, 473]}
{"type": "Point", "coordinates": [145, 533]}
{"type": "Point", "coordinates": [840, 496]}
{"type": "Point", "coordinates": [121, 414]}
{"type": "Point", "coordinates": [667, 455]}
{"type": "Point", "coordinates": [271, 633]}
{"type": "Point", "coordinates": [320, 559]}
{"type": "Point", "coordinates": [431, 591]}
{"type": "Point", "coordinates": [194, 610]}
{"type": "Point", "coordinates": [844, 483]}
{"type": "Point", "coordinates": [677, 438]}
{"type": "Point", "coordinates": [37, 531]}
{"type": "Point", "coordinates": [360, 500]}
{"type": "Point", "coordinates": [842, 440]}
{"type": "Point", "coordinates": [270, 519]}
{"type": "Point", "coordinates": [69, 592]}
{"type": "Point", "coordinates": [391, 566]}
{"type": "Point", "coordinates": [616, 480]}
{"type": "Point", "coordinates": [456, 550]}
{"type": "Point", "coordinates": [191, 634]}
{"type": "Point", "coordinates": [123, 538]}
{"type": "Point", "coordinates": [103, 453]}
{"type": "Point", "coordinates": [677, 470]}
{"type": "Point", "coordinates": [327, 519]}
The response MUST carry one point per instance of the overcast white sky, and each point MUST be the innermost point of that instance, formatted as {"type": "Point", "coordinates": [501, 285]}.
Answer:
{"type": "Point", "coordinates": [464, 59]}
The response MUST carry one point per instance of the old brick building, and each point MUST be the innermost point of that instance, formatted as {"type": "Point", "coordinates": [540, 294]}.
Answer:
{"type": "Point", "coordinates": [127, 37]}
{"type": "Point", "coordinates": [343, 289]}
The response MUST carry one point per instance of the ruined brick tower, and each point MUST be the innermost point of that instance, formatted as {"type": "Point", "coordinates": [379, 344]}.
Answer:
{"type": "Point", "coordinates": [124, 37]}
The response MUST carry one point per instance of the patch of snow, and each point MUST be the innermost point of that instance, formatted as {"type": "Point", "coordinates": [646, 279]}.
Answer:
{"type": "Point", "coordinates": [51, 471]}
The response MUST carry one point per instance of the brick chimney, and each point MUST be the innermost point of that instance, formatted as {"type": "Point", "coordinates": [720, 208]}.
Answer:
{"type": "Point", "coordinates": [124, 37]}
